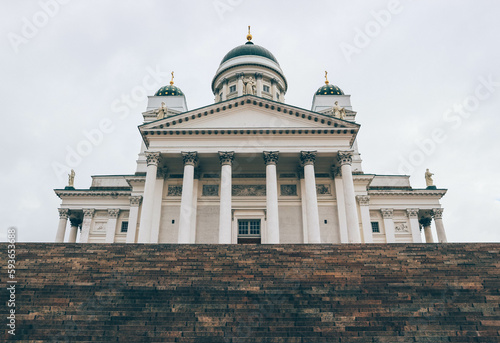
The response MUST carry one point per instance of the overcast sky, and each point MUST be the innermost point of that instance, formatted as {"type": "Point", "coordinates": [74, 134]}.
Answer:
{"type": "Point", "coordinates": [424, 78]}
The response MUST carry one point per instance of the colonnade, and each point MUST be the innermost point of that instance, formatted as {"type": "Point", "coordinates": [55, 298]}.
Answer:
{"type": "Point", "coordinates": [346, 202]}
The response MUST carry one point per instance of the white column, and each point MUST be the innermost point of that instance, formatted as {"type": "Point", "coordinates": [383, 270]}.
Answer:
{"type": "Point", "coordinates": [111, 225]}
{"type": "Point", "coordinates": [273, 229]}
{"type": "Point", "coordinates": [153, 159]}
{"type": "Point", "coordinates": [364, 206]}
{"type": "Point", "coordinates": [351, 210]}
{"type": "Point", "coordinates": [61, 228]}
{"type": "Point", "coordinates": [157, 203]}
{"type": "Point", "coordinates": [274, 90]}
{"type": "Point", "coordinates": [437, 214]}
{"type": "Point", "coordinates": [190, 160]}
{"type": "Point", "coordinates": [226, 160]}
{"type": "Point", "coordinates": [88, 214]}
{"type": "Point", "coordinates": [225, 90]}
{"type": "Point", "coordinates": [426, 223]}
{"type": "Point", "coordinates": [303, 199]}
{"type": "Point", "coordinates": [258, 78]}
{"type": "Point", "coordinates": [387, 214]}
{"type": "Point", "coordinates": [307, 159]}
{"type": "Point", "coordinates": [239, 86]}
{"type": "Point", "coordinates": [414, 225]}
{"type": "Point", "coordinates": [133, 215]}
{"type": "Point", "coordinates": [339, 193]}
{"type": "Point", "coordinates": [194, 206]}
{"type": "Point", "coordinates": [75, 223]}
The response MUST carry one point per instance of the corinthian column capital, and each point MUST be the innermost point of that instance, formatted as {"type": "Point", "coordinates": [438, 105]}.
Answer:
{"type": "Point", "coordinates": [363, 200]}
{"type": "Point", "coordinates": [152, 158]}
{"type": "Point", "coordinates": [412, 212]}
{"type": "Point", "coordinates": [190, 158]}
{"type": "Point", "coordinates": [387, 212]}
{"type": "Point", "coordinates": [437, 213]}
{"type": "Point", "coordinates": [135, 200]}
{"type": "Point", "coordinates": [344, 157]}
{"type": "Point", "coordinates": [271, 157]}
{"type": "Point", "coordinates": [88, 212]}
{"type": "Point", "coordinates": [307, 157]}
{"type": "Point", "coordinates": [63, 213]}
{"type": "Point", "coordinates": [226, 157]}
{"type": "Point", "coordinates": [113, 212]}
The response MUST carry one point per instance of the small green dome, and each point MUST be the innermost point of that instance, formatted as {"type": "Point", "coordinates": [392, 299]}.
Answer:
{"type": "Point", "coordinates": [169, 90]}
{"type": "Point", "coordinates": [249, 49]}
{"type": "Point", "coordinates": [329, 89]}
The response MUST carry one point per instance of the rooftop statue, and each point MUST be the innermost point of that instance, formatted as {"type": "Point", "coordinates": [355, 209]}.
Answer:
{"type": "Point", "coordinates": [338, 112]}
{"type": "Point", "coordinates": [71, 178]}
{"type": "Point", "coordinates": [162, 111]}
{"type": "Point", "coordinates": [428, 178]}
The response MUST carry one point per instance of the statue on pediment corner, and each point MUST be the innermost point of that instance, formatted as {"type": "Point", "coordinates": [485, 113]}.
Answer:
{"type": "Point", "coordinates": [162, 111]}
{"type": "Point", "coordinates": [338, 111]}
{"type": "Point", "coordinates": [71, 178]}
{"type": "Point", "coordinates": [428, 179]}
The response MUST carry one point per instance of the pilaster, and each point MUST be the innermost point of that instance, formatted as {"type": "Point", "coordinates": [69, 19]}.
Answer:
{"type": "Point", "coordinates": [364, 206]}
{"type": "Point", "coordinates": [387, 214]}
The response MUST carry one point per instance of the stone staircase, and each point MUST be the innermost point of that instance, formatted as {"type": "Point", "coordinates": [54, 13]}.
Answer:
{"type": "Point", "coordinates": [255, 293]}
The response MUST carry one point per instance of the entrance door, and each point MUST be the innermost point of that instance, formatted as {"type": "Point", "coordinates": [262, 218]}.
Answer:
{"type": "Point", "coordinates": [249, 231]}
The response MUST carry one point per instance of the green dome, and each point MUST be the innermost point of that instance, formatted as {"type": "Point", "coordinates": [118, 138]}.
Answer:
{"type": "Point", "coordinates": [249, 49]}
{"type": "Point", "coordinates": [169, 90]}
{"type": "Point", "coordinates": [329, 90]}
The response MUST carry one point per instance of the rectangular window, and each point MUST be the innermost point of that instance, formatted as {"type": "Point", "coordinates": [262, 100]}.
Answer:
{"type": "Point", "coordinates": [375, 227]}
{"type": "Point", "coordinates": [249, 231]}
{"type": "Point", "coordinates": [266, 88]}
{"type": "Point", "coordinates": [249, 227]}
{"type": "Point", "coordinates": [124, 227]}
{"type": "Point", "coordinates": [277, 96]}
{"type": "Point", "coordinates": [220, 96]}
{"type": "Point", "coordinates": [232, 89]}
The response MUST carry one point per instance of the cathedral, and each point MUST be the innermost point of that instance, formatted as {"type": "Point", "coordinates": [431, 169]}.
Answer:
{"type": "Point", "coordinates": [250, 168]}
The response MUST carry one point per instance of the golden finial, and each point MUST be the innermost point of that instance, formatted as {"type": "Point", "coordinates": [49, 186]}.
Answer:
{"type": "Point", "coordinates": [249, 36]}
{"type": "Point", "coordinates": [326, 78]}
{"type": "Point", "coordinates": [172, 81]}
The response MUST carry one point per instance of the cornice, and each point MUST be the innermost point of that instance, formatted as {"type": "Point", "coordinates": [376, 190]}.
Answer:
{"type": "Point", "coordinates": [414, 192]}
{"type": "Point", "coordinates": [90, 193]}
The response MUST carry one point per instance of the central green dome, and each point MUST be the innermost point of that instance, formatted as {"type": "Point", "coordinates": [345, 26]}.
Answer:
{"type": "Point", "coordinates": [249, 49]}
{"type": "Point", "coordinates": [169, 90]}
{"type": "Point", "coordinates": [329, 89]}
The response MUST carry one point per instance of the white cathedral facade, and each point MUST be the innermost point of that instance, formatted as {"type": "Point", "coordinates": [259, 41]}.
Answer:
{"type": "Point", "coordinates": [250, 169]}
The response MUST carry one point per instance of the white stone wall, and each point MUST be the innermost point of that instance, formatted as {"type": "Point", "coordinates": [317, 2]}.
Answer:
{"type": "Point", "coordinates": [290, 218]}
{"type": "Point", "coordinates": [207, 224]}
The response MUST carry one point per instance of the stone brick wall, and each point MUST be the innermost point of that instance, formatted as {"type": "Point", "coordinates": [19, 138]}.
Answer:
{"type": "Point", "coordinates": [259, 293]}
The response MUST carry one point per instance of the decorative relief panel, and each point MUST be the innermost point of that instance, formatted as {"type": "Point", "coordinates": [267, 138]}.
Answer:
{"type": "Point", "coordinates": [100, 227]}
{"type": "Point", "coordinates": [401, 227]}
{"type": "Point", "coordinates": [288, 190]}
{"type": "Point", "coordinates": [322, 189]}
{"type": "Point", "coordinates": [210, 190]}
{"type": "Point", "coordinates": [174, 190]}
{"type": "Point", "coordinates": [249, 190]}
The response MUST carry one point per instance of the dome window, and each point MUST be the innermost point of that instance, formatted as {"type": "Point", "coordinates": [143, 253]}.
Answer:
{"type": "Point", "coordinates": [266, 89]}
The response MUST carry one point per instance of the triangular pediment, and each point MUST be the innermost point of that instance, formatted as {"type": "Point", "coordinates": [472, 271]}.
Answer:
{"type": "Point", "coordinates": [248, 112]}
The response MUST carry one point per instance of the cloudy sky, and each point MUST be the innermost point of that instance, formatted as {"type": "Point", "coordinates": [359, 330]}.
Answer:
{"type": "Point", "coordinates": [424, 78]}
